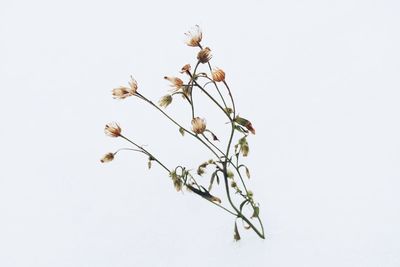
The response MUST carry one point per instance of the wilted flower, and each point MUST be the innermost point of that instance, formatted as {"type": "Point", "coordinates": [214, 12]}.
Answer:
{"type": "Point", "coordinates": [165, 101]}
{"type": "Point", "coordinates": [218, 75]}
{"type": "Point", "coordinates": [194, 37]}
{"type": "Point", "coordinates": [185, 68]}
{"type": "Point", "coordinates": [204, 55]}
{"type": "Point", "coordinates": [198, 125]}
{"type": "Point", "coordinates": [112, 129]}
{"type": "Point", "coordinates": [175, 82]}
{"type": "Point", "coordinates": [122, 92]}
{"type": "Point", "coordinates": [107, 157]}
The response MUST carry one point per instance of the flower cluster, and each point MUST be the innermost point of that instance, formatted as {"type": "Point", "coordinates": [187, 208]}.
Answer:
{"type": "Point", "coordinates": [225, 167]}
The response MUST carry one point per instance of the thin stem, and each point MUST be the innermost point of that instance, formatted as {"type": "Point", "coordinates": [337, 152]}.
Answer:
{"type": "Point", "coordinates": [191, 88]}
{"type": "Point", "coordinates": [148, 153]}
{"type": "Point", "coordinates": [230, 95]}
{"type": "Point", "coordinates": [176, 123]}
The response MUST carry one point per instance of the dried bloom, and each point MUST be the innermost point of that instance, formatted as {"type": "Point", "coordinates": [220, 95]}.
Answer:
{"type": "Point", "coordinates": [122, 92]}
{"type": "Point", "coordinates": [186, 68]}
{"type": "Point", "coordinates": [112, 129]}
{"type": "Point", "coordinates": [107, 158]}
{"type": "Point", "coordinates": [218, 75]}
{"type": "Point", "coordinates": [165, 101]}
{"type": "Point", "coordinates": [204, 55]}
{"type": "Point", "coordinates": [175, 82]}
{"type": "Point", "coordinates": [198, 125]}
{"type": "Point", "coordinates": [194, 37]}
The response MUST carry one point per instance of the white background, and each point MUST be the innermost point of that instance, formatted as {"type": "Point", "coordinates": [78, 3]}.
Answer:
{"type": "Point", "coordinates": [318, 79]}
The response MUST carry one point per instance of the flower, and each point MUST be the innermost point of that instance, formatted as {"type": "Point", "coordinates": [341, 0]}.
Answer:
{"type": "Point", "coordinates": [194, 37]}
{"type": "Point", "coordinates": [218, 75]}
{"type": "Point", "coordinates": [204, 55]}
{"type": "Point", "coordinates": [112, 129]}
{"type": "Point", "coordinates": [122, 92]}
{"type": "Point", "coordinates": [165, 101]}
{"type": "Point", "coordinates": [198, 125]}
{"type": "Point", "coordinates": [186, 68]}
{"type": "Point", "coordinates": [107, 158]}
{"type": "Point", "coordinates": [175, 82]}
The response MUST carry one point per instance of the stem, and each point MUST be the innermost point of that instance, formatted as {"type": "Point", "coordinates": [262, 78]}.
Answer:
{"type": "Point", "coordinates": [147, 152]}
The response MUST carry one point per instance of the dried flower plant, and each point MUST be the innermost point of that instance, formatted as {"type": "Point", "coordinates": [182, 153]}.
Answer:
{"type": "Point", "coordinates": [225, 160]}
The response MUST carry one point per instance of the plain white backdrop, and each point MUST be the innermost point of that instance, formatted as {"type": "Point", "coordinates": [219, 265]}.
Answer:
{"type": "Point", "coordinates": [319, 80]}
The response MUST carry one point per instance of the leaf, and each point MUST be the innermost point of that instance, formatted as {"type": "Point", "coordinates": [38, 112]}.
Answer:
{"type": "Point", "coordinates": [236, 235]}
{"type": "Point", "coordinates": [149, 164]}
{"type": "Point", "coordinates": [182, 131]}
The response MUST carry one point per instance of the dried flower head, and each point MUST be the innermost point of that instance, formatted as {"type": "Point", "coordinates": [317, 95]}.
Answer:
{"type": "Point", "coordinates": [218, 75]}
{"type": "Point", "coordinates": [122, 92]}
{"type": "Point", "coordinates": [204, 55]}
{"type": "Point", "coordinates": [165, 101]}
{"type": "Point", "coordinates": [194, 36]}
{"type": "Point", "coordinates": [175, 82]}
{"type": "Point", "coordinates": [107, 157]}
{"type": "Point", "coordinates": [198, 125]}
{"type": "Point", "coordinates": [186, 68]}
{"type": "Point", "coordinates": [112, 129]}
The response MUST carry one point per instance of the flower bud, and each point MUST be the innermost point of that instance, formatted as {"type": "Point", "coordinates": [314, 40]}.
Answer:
{"type": "Point", "coordinates": [194, 37]}
{"type": "Point", "coordinates": [107, 158]}
{"type": "Point", "coordinates": [112, 129]}
{"type": "Point", "coordinates": [246, 123]}
{"type": "Point", "coordinates": [198, 125]}
{"type": "Point", "coordinates": [165, 101]}
{"type": "Point", "coordinates": [204, 55]}
{"type": "Point", "coordinates": [218, 75]}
